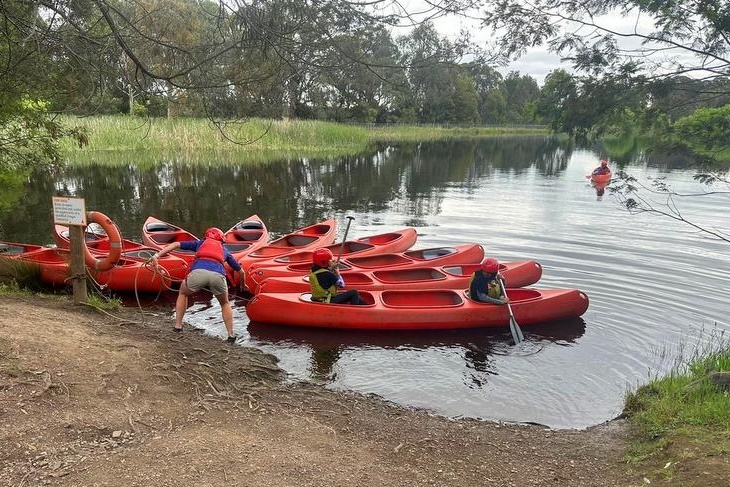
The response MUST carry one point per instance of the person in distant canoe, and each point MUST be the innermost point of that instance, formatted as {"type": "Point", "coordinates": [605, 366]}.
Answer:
{"type": "Point", "coordinates": [602, 169]}
{"type": "Point", "coordinates": [325, 279]}
{"type": "Point", "coordinates": [485, 285]}
{"type": "Point", "coordinates": [207, 271]}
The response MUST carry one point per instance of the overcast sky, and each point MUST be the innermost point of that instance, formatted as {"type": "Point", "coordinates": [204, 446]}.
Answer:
{"type": "Point", "coordinates": [538, 62]}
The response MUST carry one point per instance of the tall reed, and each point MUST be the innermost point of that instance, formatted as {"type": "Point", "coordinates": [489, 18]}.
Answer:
{"type": "Point", "coordinates": [252, 139]}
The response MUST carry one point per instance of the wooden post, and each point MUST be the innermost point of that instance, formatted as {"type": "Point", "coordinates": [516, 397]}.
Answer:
{"type": "Point", "coordinates": [78, 265]}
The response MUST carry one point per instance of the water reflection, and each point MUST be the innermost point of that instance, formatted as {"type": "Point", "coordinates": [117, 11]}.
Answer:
{"type": "Point", "coordinates": [477, 347]}
{"type": "Point", "coordinates": [522, 198]}
{"type": "Point", "coordinates": [408, 179]}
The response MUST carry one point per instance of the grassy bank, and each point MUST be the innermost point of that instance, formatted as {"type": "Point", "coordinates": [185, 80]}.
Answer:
{"type": "Point", "coordinates": [681, 422]}
{"type": "Point", "coordinates": [254, 139]}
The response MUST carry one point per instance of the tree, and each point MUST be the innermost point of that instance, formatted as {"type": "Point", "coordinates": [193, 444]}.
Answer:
{"type": "Point", "coordinates": [658, 198]}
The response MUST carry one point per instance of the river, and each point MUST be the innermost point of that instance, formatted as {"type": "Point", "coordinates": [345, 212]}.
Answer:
{"type": "Point", "coordinates": [657, 287]}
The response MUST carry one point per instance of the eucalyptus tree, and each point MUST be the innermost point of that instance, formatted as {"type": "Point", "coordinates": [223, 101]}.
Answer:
{"type": "Point", "coordinates": [488, 83]}
{"type": "Point", "coordinates": [521, 91]}
{"type": "Point", "coordinates": [655, 45]}
{"type": "Point", "coordinates": [431, 73]}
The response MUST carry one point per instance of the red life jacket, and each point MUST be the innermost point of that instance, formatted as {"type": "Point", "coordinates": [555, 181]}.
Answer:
{"type": "Point", "coordinates": [211, 249]}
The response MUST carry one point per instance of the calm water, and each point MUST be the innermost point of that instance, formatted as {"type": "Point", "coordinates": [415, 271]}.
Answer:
{"type": "Point", "coordinates": [656, 286]}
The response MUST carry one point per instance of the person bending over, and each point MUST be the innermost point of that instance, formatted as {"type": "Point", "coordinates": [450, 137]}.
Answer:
{"type": "Point", "coordinates": [207, 271]}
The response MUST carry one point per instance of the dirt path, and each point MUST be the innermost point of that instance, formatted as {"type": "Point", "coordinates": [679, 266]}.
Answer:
{"type": "Point", "coordinates": [91, 400]}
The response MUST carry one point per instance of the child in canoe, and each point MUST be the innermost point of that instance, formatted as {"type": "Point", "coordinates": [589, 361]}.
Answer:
{"type": "Point", "coordinates": [602, 169]}
{"type": "Point", "coordinates": [485, 285]}
{"type": "Point", "coordinates": [325, 278]}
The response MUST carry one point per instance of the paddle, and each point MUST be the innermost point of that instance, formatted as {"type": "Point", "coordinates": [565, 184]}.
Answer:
{"type": "Point", "coordinates": [514, 328]}
{"type": "Point", "coordinates": [344, 238]}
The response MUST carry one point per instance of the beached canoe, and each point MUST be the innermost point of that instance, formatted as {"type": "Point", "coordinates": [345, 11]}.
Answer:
{"type": "Point", "coordinates": [97, 242]}
{"type": "Point", "coordinates": [126, 276]}
{"type": "Point", "coordinates": [417, 309]}
{"type": "Point", "coordinates": [516, 274]}
{"type": "Point", "coordinates": [431, 257]}
{"type": "Point", "coordinates": [307, 238]}
{"type": "Point", "coordinates": [95, 237]}
{"type": "Point", "coordinates": [13, 249]}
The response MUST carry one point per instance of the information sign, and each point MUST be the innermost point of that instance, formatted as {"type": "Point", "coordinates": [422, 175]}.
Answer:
{"type": "Point", "coordinates": [69, 211]}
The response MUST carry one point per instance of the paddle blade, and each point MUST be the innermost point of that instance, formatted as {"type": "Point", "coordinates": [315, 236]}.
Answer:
{"type": "Point", "coordinates": [514, 328]}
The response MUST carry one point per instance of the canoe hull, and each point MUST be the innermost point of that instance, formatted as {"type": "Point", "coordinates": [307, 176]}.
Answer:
{"type": "Point", "coordinates": [304, 239]}
{"type": "Point", "coordinates": [601, 178]}
{"type": "Point", "coordinates": [126, 276]}
{"type": "Point", "coordinates": [98, 245]}
{"type": "Point", "coordinates": [516, 274]}
{"type": "Point", "coordinates": [398, 241]}
{"type": "Point", "coordinates": [417, 310]}
{"type": "Point", "coordinates": [246, 236]}
{"type": "Point", "coordinates": [433, 257]}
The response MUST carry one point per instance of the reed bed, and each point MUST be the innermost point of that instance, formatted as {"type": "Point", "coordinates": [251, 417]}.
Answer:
{"type": "Point", "coordinates": [252, 140]}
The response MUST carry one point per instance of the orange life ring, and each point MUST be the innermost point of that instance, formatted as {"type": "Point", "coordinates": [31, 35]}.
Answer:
{"type": "Point", "coordinates": [115, 243]}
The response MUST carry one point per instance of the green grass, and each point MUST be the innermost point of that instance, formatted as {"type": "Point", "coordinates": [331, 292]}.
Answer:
{"type": "Point", "coordinates": [682, 418]}
{"type": "Point", "coordinates": [18, 277]}
{"type": "Point", "coordinates": [112, 138]}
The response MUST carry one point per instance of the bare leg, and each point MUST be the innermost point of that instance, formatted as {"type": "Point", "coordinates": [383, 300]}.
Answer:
{"type": "Point", "coordinates": [181, 305]}
{"type": "Point", "coordinates": [227, 312]}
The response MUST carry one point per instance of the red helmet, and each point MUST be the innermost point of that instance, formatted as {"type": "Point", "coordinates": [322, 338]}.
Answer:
{"type": "Point", "coordinates": [214, 233]}
{"type": "Point", "coordinates": [322, 257]}
{"type": "Point", "coordinates": [490, 265]}
{"type": "Point", "coordinates": [604, 162]}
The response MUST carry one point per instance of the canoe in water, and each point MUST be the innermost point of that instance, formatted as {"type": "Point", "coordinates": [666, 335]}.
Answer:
{"type": "Point", "coordinates": [303, 239]}
{"type": "Point", "coordinates": [389, 242]}
{"type": "Point", "coordinates": [432, 257]}
{"type": "Point", "coordinates": [417, 309]}
{"type": "Point", "coordinates": [516, 274]}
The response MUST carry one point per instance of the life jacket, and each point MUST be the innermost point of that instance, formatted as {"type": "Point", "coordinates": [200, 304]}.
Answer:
{"type": "Point", "coordinates": [494, 290]}
{"type": "Point", "coordinates": [318, 292]}
{"type": "Point", "coordinates": [211, 249]}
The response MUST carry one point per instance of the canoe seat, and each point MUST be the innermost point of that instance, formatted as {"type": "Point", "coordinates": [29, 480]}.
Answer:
{"type": "Point", "coordinates": [299, 240]}
{"type": "Point", "coordinates": [10, 249]}
{"type": "Point", "coordinates": [160, 227]}
{"type": "Point", "coordinates": [356, 246]}
{"type": "Point", "coordinates": [247, 235]}
{"type": "Point", "coordinates": [249, 225]}
{"type": "Point", "coordinates": [236, 247]}
{"type": "Point", "coordinates": [163, 238]}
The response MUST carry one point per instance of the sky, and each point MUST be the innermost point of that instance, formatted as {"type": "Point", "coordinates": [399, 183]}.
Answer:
{"type": "Point", "coordinates": [538, 62]}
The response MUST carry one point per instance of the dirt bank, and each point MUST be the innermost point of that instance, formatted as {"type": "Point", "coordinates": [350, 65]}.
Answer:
{"type": "Point", "coordinates": [89, 399]}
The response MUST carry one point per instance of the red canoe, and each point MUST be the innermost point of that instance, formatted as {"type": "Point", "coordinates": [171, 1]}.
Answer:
{"type": "Point", "coordinates": [96, 239]}
{"type": "Point", "coordinates": [98, 244]}
{"type": "Point", "coordinates": [306, 238]}
{"type": "Point", "coordinates": [517, 274]}
{"type": "Point", "coordinates": [126, 276]}
{"type": "Point", "coordinates": [243, 237]}
{"type": "Point", "coordinates": [601, 178]}
{"type": "Point", "coordinates": [417, 309]}
{"type": "Point", "coordinates": [12, 249]}
{"type": "Point", "coordinates": [157, 234]}
{"type": "Point", "coordinates": [433, 257]}
{"type": "Point", "coordinates": [246, 236]}
{"type": "Point", "coordinates": [398, 241]}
